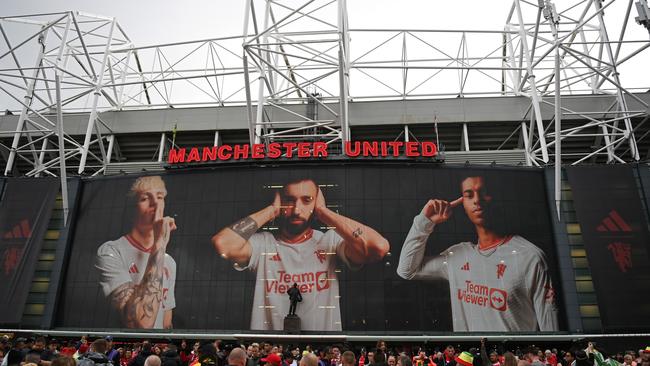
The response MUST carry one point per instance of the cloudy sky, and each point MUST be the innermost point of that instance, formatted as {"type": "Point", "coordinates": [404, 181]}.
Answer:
{"type": "Point", "coordinates": [162, 21]}
{"type": "Point", "coordinates": [150, 22]}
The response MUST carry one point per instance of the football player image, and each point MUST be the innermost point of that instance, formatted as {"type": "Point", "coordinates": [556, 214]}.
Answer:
{"type": "Point", "coordinates": [136, 273]}
{"type": "Point", "coordinates": [500, 283]}
{"type": "Point", "coordinates": [296, 253]}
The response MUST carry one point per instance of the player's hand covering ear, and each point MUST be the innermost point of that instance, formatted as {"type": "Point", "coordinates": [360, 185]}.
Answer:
{"type": "Point", "coordinates": [439, 211]}
{"type": "Point", "coordinates": [320, 201]}
{"type": "Point", "coordinates": [277, 204]}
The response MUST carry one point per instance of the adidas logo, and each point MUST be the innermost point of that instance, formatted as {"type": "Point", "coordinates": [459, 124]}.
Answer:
{"type": "Point", "coordinates": [20, 231]}
{"type": "Point", "coordinates": [613, 223]}
{"type": "Point", "coordinates": [465, 267]}
{"type": "Point", "coordinates": [133, 268]}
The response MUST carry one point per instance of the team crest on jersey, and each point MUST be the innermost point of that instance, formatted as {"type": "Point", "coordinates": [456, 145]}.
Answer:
{"type": "Point", "coordinates": [321, 255]}
{"type": "Point", "coordinates": [501, 270]}
{"type": "Point", "coordinates": [549, 294]}
{"type": "Point", "coordinates": [133, 268]}
{"type": "Point", "coordinates": [498, 299]}
{"type": "Point", "coordinates": [465, 266]}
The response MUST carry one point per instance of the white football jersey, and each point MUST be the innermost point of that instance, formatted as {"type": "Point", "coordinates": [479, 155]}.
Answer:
{"type": "Point", "coordinates": [124, 260]}
{"type": "Point", "coordinates": [310, 264]}
{"type": "Point", "coordinates": [506, 288]}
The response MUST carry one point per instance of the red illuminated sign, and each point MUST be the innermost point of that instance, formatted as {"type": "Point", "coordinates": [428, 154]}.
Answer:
{"type": "Point", "coordinates": [300, 150]}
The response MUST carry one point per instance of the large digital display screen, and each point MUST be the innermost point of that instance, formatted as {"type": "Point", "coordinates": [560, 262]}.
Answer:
{"type": "Point", "coordinates": [380, 247]}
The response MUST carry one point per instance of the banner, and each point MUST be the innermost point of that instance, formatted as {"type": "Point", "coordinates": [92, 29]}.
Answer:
{"type": "Point", "coordinates": [615, 235]}
{"type": "Point", "coordinates": [25, 210]}
{"type": "Point", "coordinates": [374, 247]}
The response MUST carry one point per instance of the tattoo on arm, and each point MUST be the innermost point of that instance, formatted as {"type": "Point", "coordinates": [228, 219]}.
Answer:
{"type": "Point", "coordinates": [245, 227]}
{"type": "Point", "coordinates": [357, 233]}
{"type": "Point", "coordinates": [139, 304]}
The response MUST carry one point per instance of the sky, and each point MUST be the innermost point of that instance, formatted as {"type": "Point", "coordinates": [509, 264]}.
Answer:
{"type": "Point", "coordinates": [149, 22]}
{"type": "Point", "coordinates": [161, 21]}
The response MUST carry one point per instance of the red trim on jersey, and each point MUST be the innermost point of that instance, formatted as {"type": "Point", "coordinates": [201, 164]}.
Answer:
{"type": "Point", "coordinates": [137, 245]}
{"type": "Point", "coordinates": [299, 239]}
{"type": "Point", "coordinates": [505, 240]}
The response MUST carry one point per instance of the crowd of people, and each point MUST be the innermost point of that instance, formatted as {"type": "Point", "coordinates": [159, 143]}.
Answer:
{"type": "Point", "coordinates": [39, 351]}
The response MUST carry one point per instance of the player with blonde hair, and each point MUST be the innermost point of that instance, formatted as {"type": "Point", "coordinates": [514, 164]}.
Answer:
{"type": "Point", "coordinates": [136, 273]}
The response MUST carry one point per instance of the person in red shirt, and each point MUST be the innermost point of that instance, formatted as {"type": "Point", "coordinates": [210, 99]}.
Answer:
{"type": "Point", "coordinates": [194, 357]}
{"type": "Point", "coordinates": [185, 353]}
{"type": "Point", "coordinates": [447, 357]}
{"type": "Point", "coordinates": [551, 359]}
{"type": "Point", "coordinates": [126, 357]}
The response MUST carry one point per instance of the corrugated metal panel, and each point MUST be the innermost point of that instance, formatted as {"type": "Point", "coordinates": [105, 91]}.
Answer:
{"type": "Point", "coordinates": [499, 157]}
{"type": "Point", "coordinates": [129, 168]}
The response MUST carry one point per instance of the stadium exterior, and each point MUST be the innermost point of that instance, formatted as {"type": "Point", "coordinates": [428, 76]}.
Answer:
{"type": "Point", "coordinates": [547, 92]}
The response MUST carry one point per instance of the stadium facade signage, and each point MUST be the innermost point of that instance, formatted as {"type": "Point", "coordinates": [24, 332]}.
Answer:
{"type": "Point", "coordinates": [300, 150]}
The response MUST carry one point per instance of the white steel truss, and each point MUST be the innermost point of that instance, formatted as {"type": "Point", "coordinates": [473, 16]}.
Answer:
{"type": "Point", "coordinates": [296, 70]}
{"type": "Point", "coordinates": [300, 53]}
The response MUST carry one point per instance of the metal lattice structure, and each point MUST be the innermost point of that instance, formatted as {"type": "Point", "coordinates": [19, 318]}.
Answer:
{"type": "Point", "coordinates": [298, 69]}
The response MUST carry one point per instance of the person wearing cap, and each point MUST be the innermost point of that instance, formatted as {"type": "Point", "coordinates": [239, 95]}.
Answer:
{"type": "Point", "coordinates": [645, 358]}
{"type": "Point", "coordinates": [272, 359]}
{"type": "Point", "coordinates": [137, 275]}
{"type": "Point", "coordinates": [499, 283]}
{"type": "Point", "coordinates": [111, 352]}
{"type": "Point", "coordinates": [464, 359]}
{"type": "Point", "coordinates": [52, 350]}
{"type": "Point", "coordinates": [551, 359]}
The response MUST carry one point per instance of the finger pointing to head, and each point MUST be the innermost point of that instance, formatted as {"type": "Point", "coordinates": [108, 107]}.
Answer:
{"type": "Point", "coordinates": [456, 202]}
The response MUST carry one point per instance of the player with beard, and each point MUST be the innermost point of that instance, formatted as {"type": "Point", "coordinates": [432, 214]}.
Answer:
{"type": "Point", "coordinates": [499, 284]}
{"type": "Point", "coordinates": [136, 273]}
{"type": "Point", "coordinates": [298, 254]}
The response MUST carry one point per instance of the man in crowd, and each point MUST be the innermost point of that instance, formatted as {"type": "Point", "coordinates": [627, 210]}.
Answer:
{"type": "Point", "coordinates": [136, 273]}
{"type": "Point", "coordinates": [499, 284]}
{"type": "Point", "coordinates": [52, 350]}
{"type": "Point", "coordinates": [348, 359]}
{"type": "Point", "coordinates": [309, 360]}
{"type": "Point", "coordinates": [370, 357]}
{"type": "Point", "coordinates": [170, 356]}
{"type": "Point", "coordinates": [152, 360]}
{"type": "Point", "coordinates": [96, 356]}
{"type": "Point", "coordinates": [380, 358]}
{"type": "Point", "coordinates": [404, 361]}
{"type": "Point", "coordinates": [254, 359]}
{"type": "Point", "coordinates": [237, 357]}
{"type": "Point", "coordinates": [38, 349]}
{"type": "Point", "coordinates": [141, 357]}
{"type": "Point", "coordinates": [298, 253]}
{"type": "Point", "coordinates": [569, 359]}
{"type": "Point", "coordinates": [112, 353]}
{"type": "Point", "coordinates": [532, 356]}
{"type": "Point", "coordinates": [448, 357]}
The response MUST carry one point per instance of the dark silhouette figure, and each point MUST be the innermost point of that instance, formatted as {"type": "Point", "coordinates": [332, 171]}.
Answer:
{"type": "Point", "coordinates": [295, 297]}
